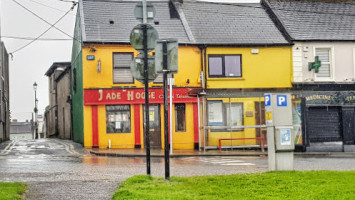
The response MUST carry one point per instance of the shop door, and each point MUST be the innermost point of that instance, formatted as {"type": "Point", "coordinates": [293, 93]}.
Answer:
{"type": "Point", "coordinates": [260, 119]}
{"type": "Point", "coordinates": [324, 124]}
{"type": "Point", "coordinates": [154, 126]}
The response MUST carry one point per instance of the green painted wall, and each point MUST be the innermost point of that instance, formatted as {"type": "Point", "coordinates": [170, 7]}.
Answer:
{"type": "Point", "coordinates": [77, 77]}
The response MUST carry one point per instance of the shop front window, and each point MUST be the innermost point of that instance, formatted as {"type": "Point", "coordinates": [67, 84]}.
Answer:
{"type": "Point", "coordinates": [226, 115]}
{"type": "Point", "coordinates": [118, 119]}
{"type": "Point", "coordinates": [180, 122]}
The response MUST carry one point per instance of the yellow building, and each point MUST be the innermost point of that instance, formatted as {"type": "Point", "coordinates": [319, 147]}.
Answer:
{"type": "Point", "coordinates": [236, 80]}
{"type": "Point", "coordinates": [237, 48]}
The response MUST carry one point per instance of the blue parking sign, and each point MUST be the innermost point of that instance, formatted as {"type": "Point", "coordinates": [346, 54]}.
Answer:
{"type": "Point", "coordinates": [281, 100]}
{"type": "Point", "coordinates": [267, 99]}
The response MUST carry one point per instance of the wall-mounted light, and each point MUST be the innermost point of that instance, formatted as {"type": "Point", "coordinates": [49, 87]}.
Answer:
{"type": "Point", "coordinates": [99, 66]}
{"type": "Point", "coordinates": [92, 49]}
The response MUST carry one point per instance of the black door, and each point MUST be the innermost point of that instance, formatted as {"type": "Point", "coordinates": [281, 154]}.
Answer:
{"type": "Point", "coordinates": [324, 124]}
{"type": "Point", "coordinates": [154, 126]}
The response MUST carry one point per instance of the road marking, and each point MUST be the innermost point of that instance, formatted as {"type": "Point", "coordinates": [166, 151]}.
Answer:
{"type": "Point", "coordinates": [235, 164]}
{"type": "Point", "coordinates": [8, 148]}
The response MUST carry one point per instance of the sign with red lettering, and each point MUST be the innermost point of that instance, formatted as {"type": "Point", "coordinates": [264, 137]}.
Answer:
{"type": "Point", "coordinates": [134, 96]}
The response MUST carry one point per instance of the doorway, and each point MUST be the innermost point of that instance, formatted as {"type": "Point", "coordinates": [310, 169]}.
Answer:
{"type": "Point", "coordinates": [154, 126]}
{"type": "Point", "coordinates": [260, 119]}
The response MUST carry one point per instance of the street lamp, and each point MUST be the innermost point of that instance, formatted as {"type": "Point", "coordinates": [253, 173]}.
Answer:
{"type": "Point", "coordinates": [36, 110]}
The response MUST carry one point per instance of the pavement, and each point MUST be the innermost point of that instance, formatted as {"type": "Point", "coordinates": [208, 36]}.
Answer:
{"type": "Point", "coordinates": [196, 153]}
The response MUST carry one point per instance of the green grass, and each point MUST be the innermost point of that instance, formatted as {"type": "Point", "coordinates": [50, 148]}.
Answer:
{"type": "Point", "coordinates": [12, 191]}
{"type": "Point", "coordinates": [270, 185]}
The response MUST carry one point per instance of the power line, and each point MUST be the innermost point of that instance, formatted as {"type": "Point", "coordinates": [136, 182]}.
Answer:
{"type": "Point", "coordinates": [74, 4]}
{"type": "Point", "coordinates": [52, 25]}
{"type": "Point", "coordinates": [49, 6]}
{"type": "Point", "coordinates": [40, 39]}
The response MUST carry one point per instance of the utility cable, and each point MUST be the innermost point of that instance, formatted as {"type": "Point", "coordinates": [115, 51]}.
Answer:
{"type": "Point", "coordinates": [52, 25]}
{"type": "Point", "coordinates": [74, 4]}
{"type": "Point", "coordinates": [42, 4]}
{"type": "Point", "coordinates": [42, 39]}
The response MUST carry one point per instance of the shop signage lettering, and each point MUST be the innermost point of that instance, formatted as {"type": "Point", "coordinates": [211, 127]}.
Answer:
{"type": "Point", "coordinates": [319, 97]}
{"type": "Point", "coordinates": [128, 96]}
{"type": "Point", "coordinates": [350, 98]}
{"type": "Point", "coordinates": [332, 98]}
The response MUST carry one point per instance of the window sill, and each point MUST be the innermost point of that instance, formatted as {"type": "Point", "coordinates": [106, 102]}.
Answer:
{"type": "Point", "coordinates": [226, 79]}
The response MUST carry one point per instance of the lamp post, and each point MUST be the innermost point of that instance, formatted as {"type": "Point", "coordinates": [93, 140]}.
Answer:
{"type": "Point", "coordinates": [36, 110]}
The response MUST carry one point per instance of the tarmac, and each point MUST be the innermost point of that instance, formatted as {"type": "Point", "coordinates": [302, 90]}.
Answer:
{"type": "Point", "coordinates": [196, 153]}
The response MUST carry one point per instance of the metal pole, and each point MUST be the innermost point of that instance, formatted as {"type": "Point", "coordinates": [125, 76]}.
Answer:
{"type": "Point", "coordinates": [146, 88]}
{"type": "Point", "coordinates": [199, 122]}
{"type": "Point", "coordinates": [166, 135]}
{"type": "Point", "coordinates": [144, 4]}
{"type": "Point", "coordinates": [36, 123]}
{"type": "Point", "coordinates": [171, 114]}
{"type": "Point", "coordinates": [204, 122]}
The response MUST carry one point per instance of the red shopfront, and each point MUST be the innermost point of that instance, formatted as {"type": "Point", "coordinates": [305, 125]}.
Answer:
{"type": "Point", "coordinates": [117, 115]}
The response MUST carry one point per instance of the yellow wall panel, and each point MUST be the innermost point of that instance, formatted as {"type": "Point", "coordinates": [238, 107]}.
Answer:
{"type": "Point", "coordinates": [270, 68]}
{"type": "Point", "coordinates": [87, 126]}
{"type": "Point", "coordinates": [187, 76]}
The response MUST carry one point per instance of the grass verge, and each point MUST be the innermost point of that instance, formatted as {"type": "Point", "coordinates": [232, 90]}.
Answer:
{"type": "Point", "coordinates": [269, 185]}
{"type": "Point", "coordinates": [12, 191]}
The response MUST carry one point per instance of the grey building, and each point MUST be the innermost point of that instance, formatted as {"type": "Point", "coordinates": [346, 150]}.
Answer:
{"type": "Point", "coordinates": [4, 94]}
{"type": "Point", "coordinates": [58, 112]}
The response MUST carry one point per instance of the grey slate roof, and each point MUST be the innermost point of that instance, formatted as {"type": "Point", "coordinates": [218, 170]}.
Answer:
{"type": "Point", "coordinates": [55, 65]}
{"type": "Point", "coordinates": [231, 23]}
{"type": "Point", "coordinates": [198, 23]}
{"type": "Point", "coordinates": [317, 20]}
{"type": "Point", "coordinates": [98, 13]}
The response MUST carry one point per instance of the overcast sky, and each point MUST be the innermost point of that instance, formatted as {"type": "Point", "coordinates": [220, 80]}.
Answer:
{"type": "Point", "coordinates": [29, 64]}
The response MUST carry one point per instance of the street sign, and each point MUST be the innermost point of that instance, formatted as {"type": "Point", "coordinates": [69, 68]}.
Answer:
{"type": "Point", "coordinates": [267, 100]}
{"type": "Point", "coordinates": [137, 68]}
{"type": "Point", "coordinates": [172, 56]}
{"type": "Point", "coordinates": [137, 34]}
{"type": "Point", "coordinates": [138, 12]}
{"type": "Point", "coordinates": [281, 100]}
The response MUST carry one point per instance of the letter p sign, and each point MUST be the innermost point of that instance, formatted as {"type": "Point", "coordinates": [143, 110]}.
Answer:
{"type": "Point", "coordinates": [281, 100]}
{"type": "Point", "coordinates": [267, 100]}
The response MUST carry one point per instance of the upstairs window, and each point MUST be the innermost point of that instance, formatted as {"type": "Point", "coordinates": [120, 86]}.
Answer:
{"type": "Point", "coordinates": [224, 66]}
{"type": "Point", "coordinates": [121, 68]}
{"type": "Point", "coordinates": [324, 55]}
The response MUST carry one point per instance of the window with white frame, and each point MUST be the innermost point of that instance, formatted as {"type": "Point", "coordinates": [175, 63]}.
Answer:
{"type": "Point", "coordinates": [225, 65]}
{"type": "Point", "coordinates": [121, 68]}
{"type": "Point", "coordinates": [324, 55]}
{"type": "Point", "coordinates": [118, 119]}
{"type": "Point", "coordinates": [225, 114]}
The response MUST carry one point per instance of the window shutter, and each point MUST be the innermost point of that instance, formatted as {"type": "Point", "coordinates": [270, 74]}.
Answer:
{"type": "Point", "coordinates": [121, 68]}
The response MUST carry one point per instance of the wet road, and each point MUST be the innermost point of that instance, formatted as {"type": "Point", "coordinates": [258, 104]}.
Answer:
{"type": "Point", "coordinates": [60, 169]}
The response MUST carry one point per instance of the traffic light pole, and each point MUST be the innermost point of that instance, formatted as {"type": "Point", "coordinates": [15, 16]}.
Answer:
{"type": "Point", "coordinates": [146, 89]}
{"type": "Point", "coordinates": [166, 127]}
